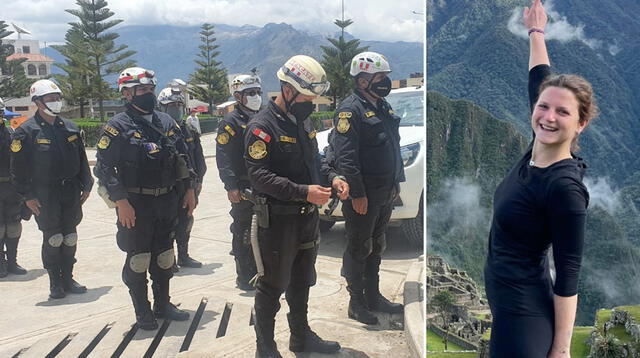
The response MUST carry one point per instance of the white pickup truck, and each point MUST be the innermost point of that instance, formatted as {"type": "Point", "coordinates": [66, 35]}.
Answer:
{"type": "Point", "coordinates": [408, 103]}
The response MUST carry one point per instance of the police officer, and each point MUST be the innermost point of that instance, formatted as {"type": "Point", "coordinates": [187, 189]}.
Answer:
{"type": "Point", "coordinates": [50, 170]}
{"type": "Point", "coordinates": [229, 156]}
{"type": "Point", "coordinates": [10, 206]}
{"type": "Point", "coordinates": [141, 163]}
{"type": "Point", "coordinates": [172, 101]}
{"type": "Point", "coordinates": [366, 144]}
{"type": "Point", "coordinates": [282, 160]}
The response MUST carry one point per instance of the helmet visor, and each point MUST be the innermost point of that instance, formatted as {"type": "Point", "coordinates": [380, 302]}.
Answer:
{"type": "Point", "coordinates": [318, 88]}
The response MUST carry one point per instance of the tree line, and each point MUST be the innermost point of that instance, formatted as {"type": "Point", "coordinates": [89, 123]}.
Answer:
{"type": "Point", "coordinates": [92, 54]}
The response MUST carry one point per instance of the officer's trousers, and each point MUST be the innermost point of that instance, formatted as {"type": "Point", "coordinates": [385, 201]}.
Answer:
{"type": "Point", "coordinates": [287, 267]}
{"type": "Point", "coordinates": [60, 213]}
{"type": "Point", "coordinates": [10, 226]}
{"type": "Point", "coordinates": [242, 213]}
{"type": "Point", "coordinates": [183, 228]}
{"type": "Point", "coordinates": [149, 244]}
{"type": "Point", "coordinates": [366, 242]}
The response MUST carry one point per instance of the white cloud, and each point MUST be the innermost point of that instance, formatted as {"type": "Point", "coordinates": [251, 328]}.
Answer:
{"type": "Point", "coordinates": [602, 194]}
{"type": "Point", "coordinates": [558, 27]}
{"type": "Point", "coordinates": [373, 20]}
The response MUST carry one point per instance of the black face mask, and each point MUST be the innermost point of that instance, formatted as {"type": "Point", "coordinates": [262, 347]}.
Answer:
{"type": "Point", "coordinates": [146, 102]}
{"type": "Point", "coordinates": [381, 88]}
{"type": "Point", "coordinates": [301, 110]}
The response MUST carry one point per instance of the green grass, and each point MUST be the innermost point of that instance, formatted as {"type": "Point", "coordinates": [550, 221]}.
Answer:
{"type": "Point", "coordinates": [633, 310]}
{"type": "Point", "coordinates": [435, 344]}
{"type": "Point", "coordinates": [602, 316]}
{"type": "Point", "coordinates": [452, 355]}
{"type": "Point", "coordinates": [579, 347]}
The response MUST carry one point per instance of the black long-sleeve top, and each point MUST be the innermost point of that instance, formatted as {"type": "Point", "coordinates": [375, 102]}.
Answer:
{"type": "Point", "coordinates": [230, 149]}
{"type": "Point", "coordinates": [43, 153]}
{"type": "Point", "coordinates": [534, 209]}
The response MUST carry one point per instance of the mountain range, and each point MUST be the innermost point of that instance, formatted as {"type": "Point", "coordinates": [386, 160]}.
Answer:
{"type": "Point", "coordinates": [171, 50]}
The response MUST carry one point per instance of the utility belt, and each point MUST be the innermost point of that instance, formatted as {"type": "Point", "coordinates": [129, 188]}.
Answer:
{"type": "Point", "coordinates": [309, 245]}
{"type": "Point", "coordinates": [150, 191]}
{"type": "Point", "coordinates": [292, 209]}
{"type": "Point", "coordinates": [5, 179]}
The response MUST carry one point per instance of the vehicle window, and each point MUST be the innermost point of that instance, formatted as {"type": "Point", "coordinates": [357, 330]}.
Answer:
{"type": "Point", "coordinates": [409, 106]}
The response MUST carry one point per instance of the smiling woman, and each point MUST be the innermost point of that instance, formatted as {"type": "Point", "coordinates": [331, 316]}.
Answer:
{"type": "Point", "coordinates": [542, 202]}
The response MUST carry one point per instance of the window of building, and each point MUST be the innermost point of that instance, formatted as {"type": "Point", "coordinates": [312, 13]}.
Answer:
{"type": "Point", "coordinates": [21, 109]}
{"type": "Point", "coordinates": [26, 49]}
{"type": "Point", "coordinates": [42, 70]}
{"type": "Point", "coordinates": [31, 70]}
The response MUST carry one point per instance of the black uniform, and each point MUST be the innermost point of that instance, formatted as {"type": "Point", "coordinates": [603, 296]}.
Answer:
{"type": "Point", "coordinates": [137, 163]}
{"type": "Point", "coordinates": [365, 142]}
{"type": "Point", "coordinates": [282, 160]}
{"type": "Point", "coordinates": [10, 206]}
{"type": "Point", "coordinates": [534, 208]}
{"type": "Point", "coordinates": [185, 222]}
{"type": "Point", "coordinates": [49, 163]}
{"type": "Point", "coordinates": [233, 173]}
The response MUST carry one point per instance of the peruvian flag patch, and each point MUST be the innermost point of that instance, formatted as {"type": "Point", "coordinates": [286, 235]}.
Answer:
{"type": "Point", "coordinates": [264, 136]}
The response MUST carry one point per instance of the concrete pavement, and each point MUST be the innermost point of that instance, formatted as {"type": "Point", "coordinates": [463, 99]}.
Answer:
{"type": "Point", "coordinates": [99, 323]}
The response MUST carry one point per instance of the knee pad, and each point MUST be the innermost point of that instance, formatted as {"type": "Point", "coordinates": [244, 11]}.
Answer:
{"type": "Point", "coordinates": [364, 250]}
{"type": "Point", "coordinates": [139, 263]}
{"type": "Point", "coordinates": [189, 223]}
{"type": "Point", "coordinates": [13, 230]}
{"type": "Point", "coordinates": [55, 240]}
{"type": "Point", "coordinates": [165, 259]}
{"type": "Point", "coordinates": [381, 245]}
{"type": "Point", "coordinates": [70, 239]}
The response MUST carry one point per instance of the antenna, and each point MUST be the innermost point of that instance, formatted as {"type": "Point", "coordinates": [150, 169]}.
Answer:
{"type": "Point", "coordinates": [20, 30]}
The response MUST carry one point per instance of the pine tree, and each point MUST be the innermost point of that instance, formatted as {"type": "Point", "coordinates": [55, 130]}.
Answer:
{"type": "Point", "coordinates": [75, 83]}
{"type": "Point", "coordinates": [209, 81]}
{"type": "Point", "coordinates": [104, 56]}
{"type": "Point", "coordinates": [337, 61]}
{"type": "Point", "coordinates": [13, 81]}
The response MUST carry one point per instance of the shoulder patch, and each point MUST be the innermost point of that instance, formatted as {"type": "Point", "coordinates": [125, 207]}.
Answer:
{"type": "Point", "coordinates": [391, 112]}
{"type": "Point", "coordinates": [262, 135]}
{"type": "Point", "coordinates": [230, 130]}
{"type": "Point", "coordinates": [137, 134]}
{"type": "Point", "coordinates": [284, 138]}
{"type": "Point", "coordinates": [110, 130]}
{"type": "Point", "coordinates": [312, 134]}
{"type": "Point", "coordinates": [345, 115]}
{"type": "Point", "coordinates": [43, 141]}
{"type": "Point", "coordinates": [369, 114]}
{"type": "Point", "coordinates": [258, 149]}
{"type": "Point", "coordinates": [343, 125]}
{"type": "Point", "coordinates": [104, 142]}
{"type": "Point", "coordinates": [72, 138]}
{"type": "Point", "coordinates": [189, 140]}
{"type": "Point", "coordinates": [170, 133]}
{"type": "Point", "coordinates": [16, 145]}
{"type": "Point", "coordinates": [222, 138]}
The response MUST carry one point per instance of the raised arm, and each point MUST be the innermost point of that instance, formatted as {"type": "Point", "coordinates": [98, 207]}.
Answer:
{"type": "Point", "coordinates": [535, 20]}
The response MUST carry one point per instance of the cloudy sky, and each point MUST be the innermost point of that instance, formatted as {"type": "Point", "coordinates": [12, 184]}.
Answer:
{"type": "Point", "coordinates": [373, 19]}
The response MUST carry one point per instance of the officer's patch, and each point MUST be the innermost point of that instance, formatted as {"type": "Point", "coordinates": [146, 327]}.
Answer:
{"type": "Point", "coordinates": [43, 141]}
{"type": "Point", "coordinates": [346, 115]}
{"type": "Point", "coordinates": [284, 138]}
{"type": "Point", "coordinates": [229, 129]}
{"type": "Point", "coordinates": [104, 142]}
{"type": "Point", "coordinates": [223, 138]}
{"type": "Point", "coordinates": [189, 140]}
{"type": "Point", "coordinates": [370, 114]}
{"type": "Point", "coordinates": [343, 125]}
{"type": "Point", "coordinates": [170, 133]}
{"type": "Point", "coordinates": [72, 138]}
{"type": "Point", "coordinates": [152, 148]}
{"type": "Point", "coordinates": [244, 126]}
{"type": "Point", "coordinates": [137, 135]}
{"type": "Point", "coordinates": [391, 112]}
{"type": "Point", "coordinates": [110, 130]}
{"type": "Point", "coordinates": [263, 135]}
{"type": "Point", "coordinates": [258, 149]}
{"type": "Point", "coordinates": [312, 134]}
{"type": "Point", "coordinates": [16, 145]}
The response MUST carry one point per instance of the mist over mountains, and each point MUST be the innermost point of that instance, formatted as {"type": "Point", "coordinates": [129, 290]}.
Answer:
{"type": "Point", "coordinates": [171, 50]}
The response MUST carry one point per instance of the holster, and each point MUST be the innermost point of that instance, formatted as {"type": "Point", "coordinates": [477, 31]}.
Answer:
{"type": "Point", "coordinates": [182, 170]}
{"type": "Point", "coordinates": [260, 207]}
{"type": "Point", "coordinates": [104, 194]}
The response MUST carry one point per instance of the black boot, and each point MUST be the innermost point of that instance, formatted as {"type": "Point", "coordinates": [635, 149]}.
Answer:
{"type": "Point", "coordinates": [71, 285]}
{"type": "Point", "coordinates": [55, 284]}
{"type": "Point", "coordinates": [12, 254]}
{"type": "Point", "coordinates": [357, 308]}
{"type": "Point", "coordinates": [374, 299]}
{"type": "Point", "coordinates": [142, 307]}
{"type": "Point", "coordinates": [266, 306]}
{"type": "Point", "coordinates": [183, 257]}
{"type": "Point", "coordinates": [3, 261]}
{"type": "Point", "coordinates": [303, 339]}
{"type": "Point", "coordinates": [162, 307]}
{"type": "Point", "coordinates": [242, 281]}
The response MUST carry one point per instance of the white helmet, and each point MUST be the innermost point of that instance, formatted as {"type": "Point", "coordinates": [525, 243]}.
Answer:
{"type": "Point", "coordinates": [243, 82]}
{"type": "Point", "coordinates": [43, 87]}
{"type": "Point", "coordinates": [169, 95]}
{"type": "Point", "coordinates": [305, 74]}
{"type": "Point", "coordinates": [369, 62]}
{"type": "Point", "coordinates": [1, 105]}
{"type": "Point", "coordinates": [177, 85]}
{"type": "Point", "coordinates": [134, 76]}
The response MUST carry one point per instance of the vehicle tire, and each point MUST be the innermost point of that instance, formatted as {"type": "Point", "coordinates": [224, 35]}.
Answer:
{"type": "Point", "coordinates": [326, 225]}
{"type": "Point", "coordinates": [413, 229]}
